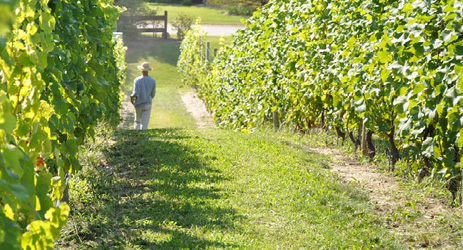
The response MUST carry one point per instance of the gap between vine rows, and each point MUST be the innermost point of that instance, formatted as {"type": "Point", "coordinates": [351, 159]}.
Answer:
{"type": "Point", "coordinates": [385, 192]}
{"type": "Point", "coordinates": [381, 187]}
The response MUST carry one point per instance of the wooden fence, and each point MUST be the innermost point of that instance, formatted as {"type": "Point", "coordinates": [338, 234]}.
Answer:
{"type": "Point", "coordinates": [143, 24]}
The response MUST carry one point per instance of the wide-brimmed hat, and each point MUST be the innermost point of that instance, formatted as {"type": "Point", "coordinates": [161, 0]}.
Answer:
{"type": "Point", "coordinates": [144, 67]}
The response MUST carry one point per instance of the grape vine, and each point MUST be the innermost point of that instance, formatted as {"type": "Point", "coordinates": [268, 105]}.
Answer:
{"type": "Point", "coordinates": [392, 68]}
{"type": "Point", "coordinates": [60, 74]}
{"type": "Point", "coordinates": [192, 63]}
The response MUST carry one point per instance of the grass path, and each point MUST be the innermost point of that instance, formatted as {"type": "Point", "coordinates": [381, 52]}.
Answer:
{"type": "Point", "coordinates": [217, 189]}
{"type": "Point", "coordinates": [168, 109]}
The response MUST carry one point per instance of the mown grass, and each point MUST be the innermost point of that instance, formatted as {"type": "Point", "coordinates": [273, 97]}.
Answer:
{"type": "Point", "coordinates": [215, 189]}
{"type": "Point", "coordinates": [207, 15]}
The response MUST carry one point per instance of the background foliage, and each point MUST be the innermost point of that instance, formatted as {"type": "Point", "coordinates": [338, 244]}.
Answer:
{"type": "Point", "coordinates": [392, 67]}
{"type": "Point", "coordinates": [59, 77]}
{"type": "Point", "coordinates": [192, 62]}
{"type": "Point", "coordinates": [134, 8]}
{"type": "Point", "coordinates": [182, 24]}
{"type": "Point", "coordinates": [240, 7]}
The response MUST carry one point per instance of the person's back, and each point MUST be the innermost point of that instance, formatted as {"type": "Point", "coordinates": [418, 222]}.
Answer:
{"type": "Point", "coordinates": [145, 90]}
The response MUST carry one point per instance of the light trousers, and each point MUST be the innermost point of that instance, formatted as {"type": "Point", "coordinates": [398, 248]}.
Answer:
{"type": "Point", "coordinates": [142, 117]}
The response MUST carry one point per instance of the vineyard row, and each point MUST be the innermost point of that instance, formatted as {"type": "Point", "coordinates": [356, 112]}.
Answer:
{"type": "Point", "coordinates": [362, 68]}
{"type": "Point", "coordinates": [60, 76]}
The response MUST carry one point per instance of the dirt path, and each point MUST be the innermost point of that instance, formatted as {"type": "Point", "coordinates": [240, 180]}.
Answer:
{"type": "Point", "coordinates": [197, 109]}
{"type": "Point", "coordinates": [383, 189]}
{"type": "Point", "coordinates": [127, 113]}
{"type": "Point", "coordinates": [394, 200]}
{"type": "Point", "coordinates": [378, 185]}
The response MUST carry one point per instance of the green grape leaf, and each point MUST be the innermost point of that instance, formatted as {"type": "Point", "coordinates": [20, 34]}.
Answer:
{"type": "Point", "coordinates": [12, 157]}
{"type": "Point", "coordinates": [428, 147]}
{"type": "Point", "coordinates": [58, 217]}
{"type": "Point", "coordinates": [19, 191]}
{"type": "Point", "coordinates": [448, 36]}
{"type": "Point", "coordinates": [9, 232]}
{"type": "Point", "coordinates": [404, 127]}
{"type": "Point", "coordinates": [7, 122]}
{"type": "Point", "coordinates": [47, 22]}
{"type": "Point", "coordinates": [37, 236]}
{"type": "Point", "coordinates": [384, 56]}
{"type": "Point", "coordinates": [407, 8]}
{"type": "Point", "coordinates": [25, 60]}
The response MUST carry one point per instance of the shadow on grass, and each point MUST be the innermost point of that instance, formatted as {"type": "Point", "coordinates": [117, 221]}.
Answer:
{"type": "Point", "coordinates": [155, 193]}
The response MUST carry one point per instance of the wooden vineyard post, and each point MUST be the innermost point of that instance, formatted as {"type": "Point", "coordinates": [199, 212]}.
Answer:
{"type": "Point", "coordinates": [364, 141]}
{"type": "Point", "coordinates": [276, 119]}
{"type": "Point", "coordinates": [164, 34]}
{"type": "Point", "coordinates": [208, 48]}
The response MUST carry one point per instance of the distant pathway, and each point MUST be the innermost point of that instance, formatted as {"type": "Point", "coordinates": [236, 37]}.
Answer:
{"type": "Point", "coordinates": [192, 103]}
{"type": "Point", "coordinates": [212, 30]}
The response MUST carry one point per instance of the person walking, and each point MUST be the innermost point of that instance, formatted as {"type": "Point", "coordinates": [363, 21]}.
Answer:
{"type": "Point", "coordinates": [144, 90]}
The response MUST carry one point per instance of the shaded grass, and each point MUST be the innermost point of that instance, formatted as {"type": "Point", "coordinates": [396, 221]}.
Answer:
{"type": "Point", "coordinates": [145, 194]}
{"type": "Point", "coordinates": [216, 189]}
{"type": "Point", "coordinates": [207, 15]}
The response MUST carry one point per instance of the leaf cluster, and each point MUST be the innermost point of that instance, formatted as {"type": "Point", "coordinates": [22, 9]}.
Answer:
{"type": "Point", "coordinates": [60, 75]}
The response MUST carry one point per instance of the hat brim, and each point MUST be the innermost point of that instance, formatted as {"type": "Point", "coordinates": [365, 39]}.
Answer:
{"type": "Point", "coordinates": [143, 69]}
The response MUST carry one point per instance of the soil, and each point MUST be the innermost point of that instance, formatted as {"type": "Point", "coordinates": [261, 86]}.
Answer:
{"type": "Point", "coordinates": [391, 198]}
{"type": "Point", "coordinates": [127, 113]}
{"type": "Point", "coordinates": [384, 190]}
{"type": "Point", "coordinates": [378, 185]}
{"type": "Point", "coordinates": [197, 109]}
